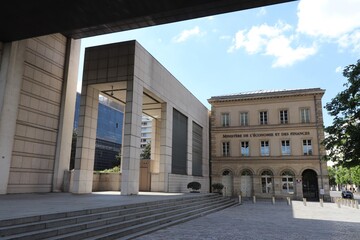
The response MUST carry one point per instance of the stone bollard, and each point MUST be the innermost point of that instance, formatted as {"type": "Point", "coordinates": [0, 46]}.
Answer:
{"type": "Point", "coordinates": [240, 200]}
{"type": "Point", "coordinates": [338, 202]}
{"type": "Point", "coordinates": [273, 200]}
{"type": "Point", "coordinates": [288, 201]}
{"type": "Point", "coordinates": [352, 203]}
{"type": "Point", "coordinates": [254, 199]}
{"type": "Point", "coordinates": [356, 204]}
{"type": "Point", "coordinates": [304, 201]}
{"type": "Point", "coordinates": [321, 202]}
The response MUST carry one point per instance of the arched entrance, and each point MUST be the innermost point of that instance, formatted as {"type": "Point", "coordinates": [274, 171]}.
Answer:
{"type": "Point", "coordinates": [310, 185]}
{"type": "Point", "coordinates": [246, 183]}
{"type": "Point", "coordinates": [267, 182]}
{"type": "Point", "coordinates": [227, 181]}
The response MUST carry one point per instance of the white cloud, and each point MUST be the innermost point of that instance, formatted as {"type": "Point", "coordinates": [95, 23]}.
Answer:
{"type": "Point", "coordinates": [285, 55]}
{"type": "Point", "coordinates": [186, 34]}
{"type": "Point", "coordinates": [339, 69]}
{"type": "Point", "coordinates": [272, 41]}
{"type": "Point", "coordinates": [257, 37]}
{"type": "Point", "coordinates": [332, 20]}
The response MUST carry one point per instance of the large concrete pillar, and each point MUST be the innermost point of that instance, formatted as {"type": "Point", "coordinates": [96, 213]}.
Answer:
{"type": "Point", "coordinates": [64, 138]}
{"type": "Point", "coordinates": [85, 145]}
{"type": "Point", "coordinates": [130, 165]}
{"type": "Point", "coordinates": [165, 146]}
{"type": "Point", "coordinates": [11, 72]}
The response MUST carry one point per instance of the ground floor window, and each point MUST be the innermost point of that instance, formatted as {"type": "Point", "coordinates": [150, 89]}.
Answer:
{"type": "Point", "coordinates": [287, 181]}
{"type": "Point", "coordinates": [267, 181]}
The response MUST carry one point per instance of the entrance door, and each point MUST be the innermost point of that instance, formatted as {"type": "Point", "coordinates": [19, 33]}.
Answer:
{"type": "Point", "coordinates": [144, 183]}
{"type": "Point", "coordinates": [246, 186]}
{"type": "Point", "coordinates": [227, 181]}
{"type": "Point", "coordinates": [310, 185]}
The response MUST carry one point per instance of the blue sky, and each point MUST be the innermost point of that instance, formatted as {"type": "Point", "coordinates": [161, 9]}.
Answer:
{"type": "Point", "coordinates": [301, 44]}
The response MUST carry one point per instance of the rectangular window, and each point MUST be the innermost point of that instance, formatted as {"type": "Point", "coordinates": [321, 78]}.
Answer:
{"type": "Point", "coordinates": [226, 149]}
{"type": "Point", "coordinates": [285, 147]}
{"type": "Point", "coordinates": [197, 150]}
{"type": "Point", "coordinates": [243, 119]}
{"type": "Point", "coordinates": [283, 116]}
{"type": "Point", "coordinates": [225, 119]}
{"type": "Point", "coordinates": [305, 115]}
{"type": "Point", "coordinates": [245, 149]}
{"type": "Point", "coordinates": [263, 118]}
{"type": "Point", "coordinates": [264, 148]}
{"type": "Point", "coordinates": [307, 147]}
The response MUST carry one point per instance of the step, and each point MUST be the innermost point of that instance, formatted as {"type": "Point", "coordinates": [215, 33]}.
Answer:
{"type": "Point", "coordinates": [115, 226]}
{"type": "Point", "coordinates": [146, 228]}
{"type": "Point", "coordinates": [87, 215]}
{"type": "Point", "coordinates": [91, 224]}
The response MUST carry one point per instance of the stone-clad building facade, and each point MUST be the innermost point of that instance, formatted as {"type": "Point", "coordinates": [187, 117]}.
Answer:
{"type": "Point", "coordinates": [267, 143]}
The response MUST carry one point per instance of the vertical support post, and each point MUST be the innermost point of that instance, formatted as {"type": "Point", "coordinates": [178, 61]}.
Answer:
{"type": "Point", "coordinates": [85, 145]}
{"type": "Point", "coordinates": [131, 143]}
{"type": "Point", "coordinates": [11, 73]}
{"type": "Point", "coordinates": [64, 139]}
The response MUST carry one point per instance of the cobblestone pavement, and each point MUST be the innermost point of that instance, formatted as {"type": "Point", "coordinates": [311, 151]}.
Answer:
{"type": "Point", "coordinates": [266, 221]}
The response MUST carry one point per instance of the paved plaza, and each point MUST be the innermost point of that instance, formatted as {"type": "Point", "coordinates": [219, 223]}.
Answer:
{"type": "Point", "coordinates": [266, 221]}
{"type": "Point", "coordinates": [262, 220]}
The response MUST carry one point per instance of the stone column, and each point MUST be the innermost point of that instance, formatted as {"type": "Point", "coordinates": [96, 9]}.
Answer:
{"type": "Point", "coordinates": [165, 146]}
{"type": "Point", "coordinates": [64, 139]}
{"type": "Point", "coordinates": [11, 72]}
{"type": "Point", "coordinates": [189, 146]}
{"type": "Point", "coordinates": [130, 165]}
{"type": "Point", "coordinates": [85, 145]}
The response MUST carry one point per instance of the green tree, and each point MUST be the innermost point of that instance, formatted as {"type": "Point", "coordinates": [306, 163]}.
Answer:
{"type": "Point", "coordinates": [146, 153]}
{"type": "Point", "coordinates": [355, 175]}
{"type": "Point", "coordinates": [332, 174]}
{"type": "Point", "coordinates": [343, 136]}
{"type": "Point", "coordinates": [342, 175]}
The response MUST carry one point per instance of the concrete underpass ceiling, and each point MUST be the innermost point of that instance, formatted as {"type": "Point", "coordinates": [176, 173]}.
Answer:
{"type": "Point", "coordinates": [20, 19]}
{"type": "Point", "coordinates": [117, 91]}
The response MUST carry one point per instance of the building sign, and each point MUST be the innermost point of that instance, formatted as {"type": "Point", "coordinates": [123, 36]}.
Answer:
{"type": "Point", "coordinates": [273, 134]}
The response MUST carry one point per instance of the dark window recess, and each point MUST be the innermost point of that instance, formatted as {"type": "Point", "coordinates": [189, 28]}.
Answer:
{"type": "Point", "coordinates": [197, 150]}
{"type": "Point", "coordinates": [179, 143]}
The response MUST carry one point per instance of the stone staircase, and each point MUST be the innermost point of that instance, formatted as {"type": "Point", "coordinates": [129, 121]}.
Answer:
{"type": "Point", "coordinates": [125, 221]}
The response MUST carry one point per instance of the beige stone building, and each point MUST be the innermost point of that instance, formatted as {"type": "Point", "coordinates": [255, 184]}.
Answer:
{"type": "Point", "coordinates": [268, 143]}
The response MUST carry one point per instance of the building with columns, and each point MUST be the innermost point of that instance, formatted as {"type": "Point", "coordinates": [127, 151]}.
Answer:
{"type": "Point", "coordinates": [38, 84]}
{"type": "Point", "coordinates": [268, 143]}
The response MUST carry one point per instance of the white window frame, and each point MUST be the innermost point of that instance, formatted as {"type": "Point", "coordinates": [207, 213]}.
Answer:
{"type": "Point", "coordinates": [265, 148]}
{"type": "Point", "coordinates": [307, 147]}
{"type": "Point", "coordinates": [244, 119]}
{"type": "Point", "coordinates": [285, 147]}
{"type": "Point", "coordinates": [245, 150]}
{"type": "Point", "coordinates": [263, 117]}
{"type": "Point", "coordinates": [284, 116]}
{"type": "Point", "coordinates": [287, 183]}
{"type": "Point", "coordinates": [225, 149]}
{"type": "Point", "coordinates": [305, 115]}
{"type": "Point", "coordinates": [267, 183]}
{"type": "Point", "coordinates": [225, 119]}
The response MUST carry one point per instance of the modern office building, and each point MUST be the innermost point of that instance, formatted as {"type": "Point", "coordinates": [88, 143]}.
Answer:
{"type": "Point", "coordinates": [108, 133]}
{"type": "Point", "coordinates": [268, 143]}
{"type": "Point", "coordinates": [146, 130]}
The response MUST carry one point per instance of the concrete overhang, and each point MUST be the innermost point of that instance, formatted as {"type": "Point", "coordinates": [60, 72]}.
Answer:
{"type": "Point", "coordinates": [20, 19]}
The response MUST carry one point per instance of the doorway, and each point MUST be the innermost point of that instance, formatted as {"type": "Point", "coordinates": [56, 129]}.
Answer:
{"type": "Point", "coordinates": [227, 181]}
{"type": "Point", "coordinates": [310, 185]}
{"type": "Point", "coordinates": [246, 183]}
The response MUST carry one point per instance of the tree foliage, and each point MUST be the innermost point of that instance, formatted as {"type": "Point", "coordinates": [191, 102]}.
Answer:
{"type": "Point", "coordinates": [342, 175]}
{"type": "Point", "coordinates": [343, 136]}
{"type": "Point", "coordinates": [146, 153]}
